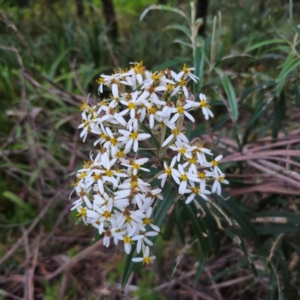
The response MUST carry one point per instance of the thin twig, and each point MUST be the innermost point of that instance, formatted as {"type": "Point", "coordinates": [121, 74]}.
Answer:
{"type": "Point", "coordinates": [34, 223]}
{"type": "Point", "coordinates": [7, 294]}
{"type": "Point", "coordinates": [69, 264]}
{"type": "Point", "coordinates": [233, 281]}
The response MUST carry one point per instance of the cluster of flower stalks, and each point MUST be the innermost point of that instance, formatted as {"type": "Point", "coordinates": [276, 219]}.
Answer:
{"type": "Point", "coordinates": [136, 131]}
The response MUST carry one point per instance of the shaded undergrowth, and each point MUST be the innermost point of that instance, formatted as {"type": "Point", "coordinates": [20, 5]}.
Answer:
{"type": "Point", "coordinates": [49, 60]}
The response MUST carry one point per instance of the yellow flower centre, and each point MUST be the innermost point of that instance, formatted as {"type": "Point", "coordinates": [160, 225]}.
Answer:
{"type": "Point", "coordinates": [185, 69]}
{"type": "Point", "coordinates": [133, 184]}
{"type": "Point", "coordinates": [147, 221]}
{"type": "Point", "coordinates": [75, 183]}
{"type": "Point", "coordinates": [107, 214]}
{"type": "Point", "coordinates": [175, 131]}
{"type": "Point", "coordinates": [104, 136]}
{"type": "Point", "coordinates": [109, 173]}
{"type": "Point", "coordinates": [134, 135]}
{"type": "Point", "coordinates": [214, 163]}
{"type": "Point", "coordinates": [131, 105]}
{"type": "Point", "coordinates": [135, 166]}
{"type": "Point", "coordinates": [127, 239]}
{"type": "Point", "coordinates": [120, 154]}
{"type": "Point", "coordinates": [182, 82]}
{"type": "Point", "coordinates": [100, 80]}
{"type": "Point", "coordinates": [103, 103]}
{"type": "Point", "coordinates": [138, 68]}
{"type": "Point", "coordinates": [156, 77]}
{"type": "Point", "coordinates": [204, 104]}
{"type": "Point", "coordinates": [82, 175]}
{"type": "Point", "coordinates": [82, 212]}
{"type": "Point", "coordinates": [182, 150]}
{"type": "Point", "coordinates": [180, 110]}
{"type": "Point", "coordinates": [195, 190]}
{"type": "Point", "coordinates": [221, 179]}
{"type": "Point", "coordinates": [201, 175]}
{"type": "Point", "coordinates": [184, 177]}
{"type": "Point", "coordinates": [146, 260]}
{"type": "Point", "coordinates": [97, 177]}
{"type": "Point", "coordinates": [114, 141]}
{"type": "Point", "coordinates": [170, 87]}
{"type": "Point", "coordinates": [192, 160]}
{"type": "Point", "coordinates": [152, 111]}
{"type": "Point", "coordinates": [168, 171]}
{"type": "Point", "coordinates": [83, 106]}
{"type": "Point", "coordinates": [87, 164]}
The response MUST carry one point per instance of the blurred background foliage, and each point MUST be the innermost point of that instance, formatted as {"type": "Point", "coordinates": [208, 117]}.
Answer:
{"type": "Point", "coordinates": [51, 53]}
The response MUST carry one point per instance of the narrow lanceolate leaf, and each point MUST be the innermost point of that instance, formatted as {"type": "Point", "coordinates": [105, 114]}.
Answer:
{"type": "Point", "coordinates": [162, 7]}
{"type": "Point", "coordinates": [179, 41]}
{"type": "Point", "coordinates": [169, 194]}
{"type": "Point", "coordinates": [148, 130]}
{"type": "Point", "coordinates": [264, 43]}
{"type": "Point", "coordinates": [232, 102]}
{"type": "Point", "coordinates": [229, 270]}
{"type": "Point", "coordinates": [239, 216]}
{"type": "Point", "coordinates": [159, 215]}
{"type": "Point", "coordinates": [17, 200]}
{"type": "Point", "coordinates": [199, 64]}
{"type": "Point", "coordinates": [170, 63]}
{"type": "Point", "coordinates": [179, 27]}
{"type": "Point", "coordinates": [199, 227]}
{"type": "Point", "coordinates": [296, 28]}
{"type": "Point", "coordinates": [287, 68]}
{"type": "Point", "coordinates": [202, 262]}
{"type": "Point", "coordinates": [129, 265]}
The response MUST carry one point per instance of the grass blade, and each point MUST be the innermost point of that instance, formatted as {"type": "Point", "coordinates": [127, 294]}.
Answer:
{"type": "Point", "coordinates": [199, 227]}
{"type": "Point", "coordinates": [264, 43]}
{"type": "Point", "coordinates": [230, 95]}
{"type": "Point", "coordinates": [162, 7]}
{"type": "Point", "coordinates": [286, 69]}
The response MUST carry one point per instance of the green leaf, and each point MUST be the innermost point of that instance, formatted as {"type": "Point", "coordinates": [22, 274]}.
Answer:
{"type": "Point", "coordinates": [199, 227]}
{"type": "Point", "coordinates": [286, 217]}
{"type": "Point", "coordinates": [162, 7]}
{"type": "Point", "coordinates": [296, 28]}
{"type": "Point", "coordinates": [273, 228]}
{"type": "Point", "coordinates": [188, 130]}
{"type": "Point", "coordinates": [286, 69]}
{"type": "Point", "coordinates": [199, 64]}
{"type": "Point", "coordinates": [264, 43]}
{"type": "Point", "coordinates": [169, 194]}
{"type": "Point", "coordinates": [16, 199]}
{"type": "Point", "coordinates": [239, 216]}
{"type": "Point", "coordinates": [257, 113]}
{"type": "Point", "coordinates": [158, 216]}
{"type": "Point", "coordinates": [180, 220]}
{"type": "Point", "coordinates": [179, 41]}
{"type": "Point", "coordinates": [230, 95]}
{"type": "Point", "coordinates": [278, 114]}
{"type": "Point", "coordinates": [200, 129]}
{"type": "Point", "coordinates": [230, 270]}
{"type": "Point", "coordinates": [201, 265]}
{"type": "Point", "coordinates": [285, 272]}
{"type": "Point", "coordinates": [129, 266]}
{"type": "Point", "coordinates": [179, 27]}
{"type": "Point", "coordinates": [148, 130]}
{"type": "Point", "coordinates": [170, 226]}
{"type": "Point", "coordinates": [56, 63]}
{"type": "Point", "coordinates": [272, 285]}
{"type": "Point", "coordinates": [170, 63]}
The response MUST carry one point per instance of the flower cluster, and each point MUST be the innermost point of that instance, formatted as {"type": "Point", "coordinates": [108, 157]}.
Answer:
{"type": "Point", "coordinates": [136, 128]}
